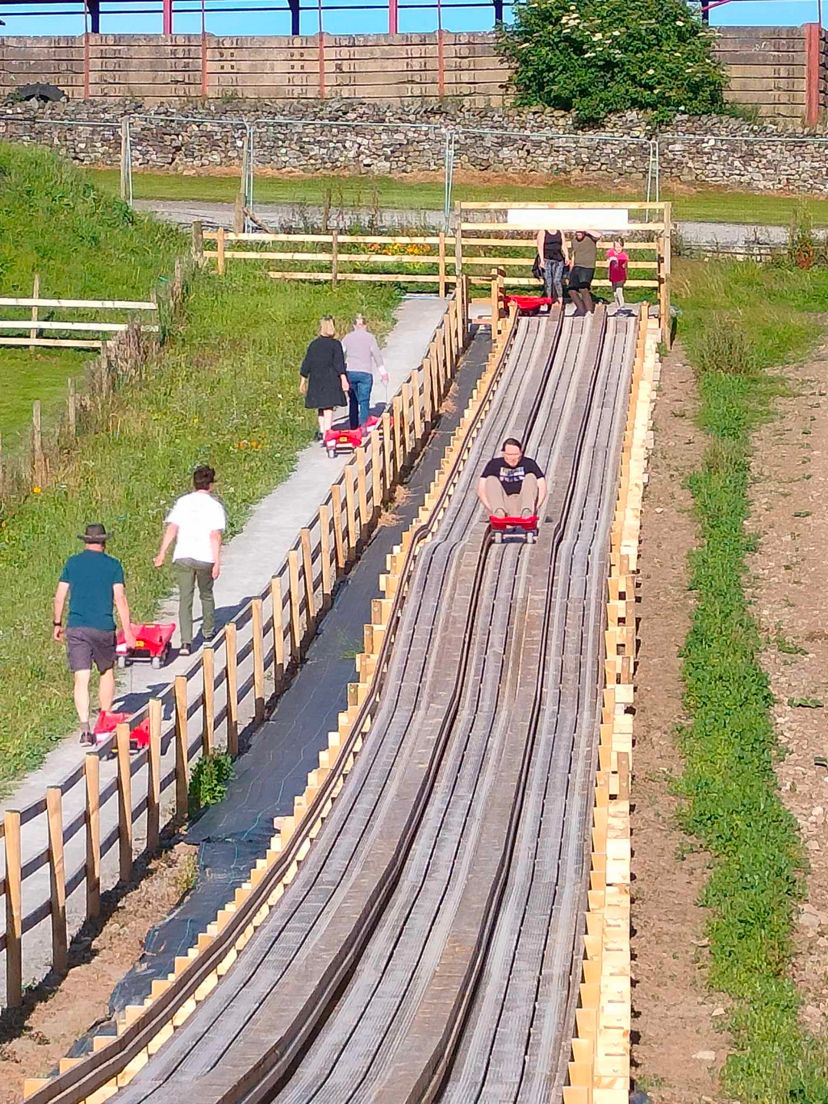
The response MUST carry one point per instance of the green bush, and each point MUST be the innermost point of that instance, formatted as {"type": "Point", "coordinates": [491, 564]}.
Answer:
{"type": "Point", "coordinates": [208, 781]}
{"type": "Point", "coordinates": [596, 57]}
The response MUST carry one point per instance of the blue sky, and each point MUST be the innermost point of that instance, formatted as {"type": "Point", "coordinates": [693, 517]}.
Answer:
{"type": "Point", "coordinates": [367, 19]}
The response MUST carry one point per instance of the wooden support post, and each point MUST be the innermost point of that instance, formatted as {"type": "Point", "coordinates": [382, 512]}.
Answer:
{"type": "Point", "coordinates": [399, 456]}
{"type": "Point", "coordinates": [307, 574]}
{"type": "Point", "coordinates": [38, 459]}
{"type": "Point", "coordinates": [336, 510]}
{"type": "Point", "coordinates": [181, 751]}
{"type": "Point", "coordinates": [220, 251]}
{"type": "Point", "coordinates": [208, 699]}
{"type": "Point", "coordinates": [387, 452]}
{"type": "Point", "coordinates": [442, 262]}
{"type": "Point", "coordinates": [34, 333]}
{"type": "Point", "coordinates": [198, 242]}
{"type": "Point", "coordinates": [352, 535]}
{"type": "Point", "coordinates": [92, 771]}
{"type": "Point", "coordinates": [278, 630]}
{"type": "Point", "coordinates": [238, 207]}
{"type": "Point", "coordinates": [428, 390]}
{"type": "Point", "coordinates": [334, 257]}
{"type": "Point", "coordinates": [362, 487]}
{"type": "Point", "coordinates": [325, 551]}
{"type": "Point", "coordinates": [57, 879]}
{"type": "Point", "coordinates": [418, 378]}
{"type": "Point", "coordinates": [293, 597]}
{"type": "Point", "coordinates": [124, 803]}
{"type": "Point", "coordinates": [154, 775]}
{"type": "Point", "coordinates": [458, 245]}
{"type": "Point", "coordinates": [231, 685]}
{"type": "Point", "coordinates": [71, 409]}
{"type": "Point", "coordinates": [376, 473]}
{"type": "Point", "coordinates": [258, 658]}
{"type": "Point", "coordinates": [14, 910]}
{"type": "Point", "coordinates": [495, 306]}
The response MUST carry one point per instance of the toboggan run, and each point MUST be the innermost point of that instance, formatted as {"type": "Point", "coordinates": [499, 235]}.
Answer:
{"type": "Point", "coordinates": [446, 914]}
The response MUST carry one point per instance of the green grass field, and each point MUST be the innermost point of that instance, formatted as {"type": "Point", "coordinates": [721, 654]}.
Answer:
{"type": "Point", "coordinates": [85, 245]}
{"type": "Point", "coordinates": [740, 322]}
{"type": "Point", "coordinates": [384, 191]}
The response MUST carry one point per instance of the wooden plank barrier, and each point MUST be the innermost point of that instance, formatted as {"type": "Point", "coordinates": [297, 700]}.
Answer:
{"type": "Point", "coordinates": [599, 1069]}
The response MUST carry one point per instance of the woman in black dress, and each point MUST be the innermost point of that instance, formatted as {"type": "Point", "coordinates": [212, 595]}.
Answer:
{"type": "Point", "coordinates": [324, 382]}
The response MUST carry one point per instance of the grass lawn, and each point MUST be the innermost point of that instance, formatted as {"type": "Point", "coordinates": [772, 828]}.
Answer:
{"type": "Point", "coordinates": [84, 245]}
{"type": "Point", "coordinates": [225, 391]}
{"type": "Point", "coordinates": [385, 191]}
{"type": "Point", "coordinates": [740, 322]}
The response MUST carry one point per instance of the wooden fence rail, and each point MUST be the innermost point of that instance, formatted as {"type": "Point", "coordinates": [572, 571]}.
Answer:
{"type": "Point", "coordinates": [201, 710]}
{"type": "Point", "coordinates": [37, 326]}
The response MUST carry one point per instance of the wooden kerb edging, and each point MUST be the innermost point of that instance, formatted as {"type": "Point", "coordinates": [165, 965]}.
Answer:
{"type": "Point", "coordinates": [599, 1070]}
{"type": "Point", "coordinates": [142, 1029]}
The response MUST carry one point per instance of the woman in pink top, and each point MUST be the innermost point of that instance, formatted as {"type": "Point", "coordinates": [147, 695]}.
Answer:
{"type": "Point", "coordinates": [618, 262]}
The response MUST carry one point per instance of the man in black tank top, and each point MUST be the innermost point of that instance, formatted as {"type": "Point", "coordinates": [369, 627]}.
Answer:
{"type": "Point", "coordinates": [553, 255]}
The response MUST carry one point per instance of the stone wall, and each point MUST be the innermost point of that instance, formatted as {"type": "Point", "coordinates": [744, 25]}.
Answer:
{"type": "Point", "coordinates": [772, 69]}
{"type": "Point", "coordinates": [331, 136]}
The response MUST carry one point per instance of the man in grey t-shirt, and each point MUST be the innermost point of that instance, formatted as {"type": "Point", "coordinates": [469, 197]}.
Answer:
{"type": "Point", "coordinates": [362, 356]}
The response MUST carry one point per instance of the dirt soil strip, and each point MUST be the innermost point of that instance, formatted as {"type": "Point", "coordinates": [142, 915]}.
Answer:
{"type": "Point", "coordinates": [677, 1042]}
{"type": "Point", "coordinates": [35, 1037]}
{"type": "Point", "coordinates": [788, 497]}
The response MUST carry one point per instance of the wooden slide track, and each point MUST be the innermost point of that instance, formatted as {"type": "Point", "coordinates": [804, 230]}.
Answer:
{"type": "Point", "coordinates": [428, 946]}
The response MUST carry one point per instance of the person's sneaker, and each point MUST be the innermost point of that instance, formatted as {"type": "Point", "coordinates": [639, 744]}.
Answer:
{"type": "Point", "coordinates": [526, 512]}
{"type": "Point", "coordinates": [184, 650]}
{"type": "Point", "coordinates": [499, 512]}
{"type": "Point", "coordinates": [87, 739]}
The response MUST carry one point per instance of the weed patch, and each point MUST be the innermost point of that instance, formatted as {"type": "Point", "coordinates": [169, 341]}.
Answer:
{"type": "Point", "coordinates": [208, 781]}
{"type": "Point", "coordinates": [729, 787]}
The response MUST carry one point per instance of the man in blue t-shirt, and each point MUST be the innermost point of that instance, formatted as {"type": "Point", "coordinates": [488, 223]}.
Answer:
{"type": "Point", "coordinates": [512, 485]}
{"type": "Point", "coordinates": [94, 583]}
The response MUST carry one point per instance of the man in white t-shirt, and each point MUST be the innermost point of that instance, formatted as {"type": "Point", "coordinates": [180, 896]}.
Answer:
{"type": "Point", "coordinates": [195, 523]}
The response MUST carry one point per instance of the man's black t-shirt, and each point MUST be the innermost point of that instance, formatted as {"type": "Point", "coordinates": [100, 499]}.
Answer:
{"type": "Point", "coordinates": [511, 479]}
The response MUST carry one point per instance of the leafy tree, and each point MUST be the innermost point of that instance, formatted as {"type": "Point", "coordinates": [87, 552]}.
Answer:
{"type": "Point", "coordinates": [596, 57]}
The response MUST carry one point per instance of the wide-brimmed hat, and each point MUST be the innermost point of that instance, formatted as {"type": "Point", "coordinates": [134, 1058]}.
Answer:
{"type": "Point", "coordinates": [95, 534]}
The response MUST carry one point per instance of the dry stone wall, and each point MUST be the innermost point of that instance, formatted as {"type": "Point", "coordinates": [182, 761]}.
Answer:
{"type": "Point", "coordinates": [362, 137]}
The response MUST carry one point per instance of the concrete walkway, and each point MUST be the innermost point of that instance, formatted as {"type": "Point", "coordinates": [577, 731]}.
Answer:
{"type": "Point", "coordinates": [250, 560]}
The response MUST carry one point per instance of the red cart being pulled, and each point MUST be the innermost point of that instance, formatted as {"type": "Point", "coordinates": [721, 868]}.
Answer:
{"type": "Point", "coordinates": [150, 640]}
{"type": "Point", "coordinates": [524, 528]}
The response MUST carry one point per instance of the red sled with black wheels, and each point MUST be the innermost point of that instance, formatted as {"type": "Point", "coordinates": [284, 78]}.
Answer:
{"type": "Point", "coordinates": [347, 440]}
{"type": "Point", "coordinates": [525, 528]}
{"type": "Point", "coordinates": [150, 640]}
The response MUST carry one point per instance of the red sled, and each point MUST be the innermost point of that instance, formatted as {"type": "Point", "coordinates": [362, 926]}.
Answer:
{"type": "Point", "coordinates": [150, 640]}
{"type": "Point", "coordinates": [526, 527]}
{"type": "Point", "coordinates": [529, 304]}
{"type": "Point", "coordinates": [108, 722]}
{"type": "Point", "coordinates": [347, 440]}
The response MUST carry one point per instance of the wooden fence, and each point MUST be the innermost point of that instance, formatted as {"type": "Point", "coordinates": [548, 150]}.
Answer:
{"type": "Point", "coordinates": [482, 240]}
{"type": "Point", "coordinates": [122, 359]}
{"type": "Point", "coordinates": [248, 663]}
{"type": "Point", "coordinates": [39, 329]}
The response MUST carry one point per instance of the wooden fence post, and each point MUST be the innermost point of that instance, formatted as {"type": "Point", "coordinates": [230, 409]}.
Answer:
{"type": "Point", "coordinates": [258, 659]}
{"type": "Point", "coordinates": [406, 420]}
{"type": "Point", "coordinates": [334, 257]}
{"type": "Point", "coordinates": [71, 409]}
{"type": "Point", "coordinates": [38, 459]}
{"type": "Point", "coordinates": [14, 910]}
{"type": "Point", "coordinates": [57, 878]}
{"type": "Point", "coordinates": [154, 775]}
{"type": "Point", "coordinates": [442, 257]}
{"type": "Point", "coordinates": [198, 242]}
{"type": "Point", "coordinates": [293, 595]}
{"type": "Point", "coordinates": [208, 699]}
{"type": "Point", "coordinates": [181, 756]}
{"type": "Point", "coordinates": [417, 394]}
{"type": "Point", "coordinates": [350, 511]}
{"type": "Point", "coordinates": [376, 473]}
{"type": "Point", "coordinates": [362, 486]}
{"type": "Point", "coordinates": [307, 574]}
{"type": "Point", "coordinates": [278, 630]}
{"type": "Point", "coordinates": [336, 509]}
{"type": "Point", "coordinates": [220, 251]}
{"type": "Point", "coordinates": [92, 771]}
{"type": "Point", "coordinates": [325, 549]}
{"type": "Point", "coordinates": [33, 333]}
{"type": "Point", "coordinates": [387, 457]}
{"type": "Point", "coordinates": [231, 683]}
{"type": "Point", "coordinates": [124, 803]}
